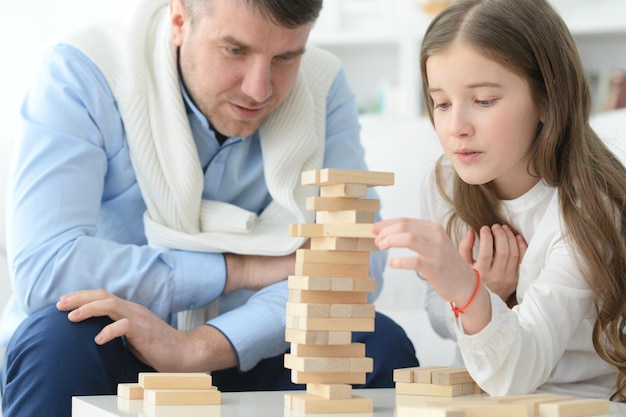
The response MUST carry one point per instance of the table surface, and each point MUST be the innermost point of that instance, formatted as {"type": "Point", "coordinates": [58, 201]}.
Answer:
{"type": "Point", "coordinates": [258, 404]}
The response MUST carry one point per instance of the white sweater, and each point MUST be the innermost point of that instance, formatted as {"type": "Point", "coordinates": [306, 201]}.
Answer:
{"type": "Point", "coordinates": [544, 343]}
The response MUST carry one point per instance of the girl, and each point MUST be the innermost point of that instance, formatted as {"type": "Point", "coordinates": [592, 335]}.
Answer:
{"type": "Point", "coordinates": [525, 178]}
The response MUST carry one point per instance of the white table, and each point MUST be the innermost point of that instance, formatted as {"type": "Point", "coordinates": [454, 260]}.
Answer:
{"type": "Point", "coordinates": [252, 404]}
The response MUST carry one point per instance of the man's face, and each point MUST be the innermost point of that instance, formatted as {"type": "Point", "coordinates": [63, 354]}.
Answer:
{"type": "Point", "coordinates": [237, 66]}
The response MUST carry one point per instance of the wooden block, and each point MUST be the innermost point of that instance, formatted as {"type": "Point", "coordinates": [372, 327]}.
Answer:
{"type": "Point", "coordinates": [174, 380]}
{"type": "Point", "coordinates": [327, 297]}
{"type": "Point", "coordinates": [299, 377]}
{"type": "Point", "coordinates": [363, 310]}
{"type": "Point", "coordinates": [488, 409]}
{"type": "Point", "coordinates": [424, 374]}
{"type": "Point", "coordinates": [306, 337]}
{"type": "Point", "coordinates": [332, 257]}
{"type": "Point", "coordinates": [340, 311]}
{"type": "Point", "coordinates": [433, 390]}
{"type": "Point", "coordinates": [344, 190]}
{"type": "Point", "coordinates": [329, 365]}
{"type": "Point", "coordinates": [532, 401]}
{"type": "Point", "coordinates": [130, 391]}
{"type": "Point", "coordinates": [352, 284]}
{"type": "Point", "coordinates": [335, 243]}
{"type": "Point", "coordinates": [156, 410]}
{"type": "Point", "coordinates": [308, 309]}
{"type": "Point", "coordinates": [424, 411]}
{"type": "Point", "coordinates": [300, 282]}
{"type": "Point", "coordinates": [361, 364]}
{"type": "Point", "coordinates": [575, 408]}
{"type": "Point", "coordinates": [344, 243]}
{"type": "Point", "coordinates": [333, 270]}
{"type": "Point", "coordinates": [329, 176]}
{"type": "Point", "coordinates": [307, 403]}
{"type": "Point", "coordinates": [403, 374]}
{"type": "Point", "coordinates": [182, 396]}
{"type": "Point", "coordinates": [365, 244]}
{"type": "Point", "coordinates": [330, 391]}
{"type": "Point", "coordinates": [331, 323]}
{"type": "Point", "coordinates": [331, 230]}
{"type": "Point", "coordinates": [344, 216]}
{"type": "Point", "coordinates": [354, 350]}
{"type": "Point", "coordinates": [451, 376]}
{"type": "Point", "coordinates": [339, 204]}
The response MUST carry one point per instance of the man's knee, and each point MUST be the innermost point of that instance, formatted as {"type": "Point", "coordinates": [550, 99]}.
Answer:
{"type": "Point", "coordinates": [390, 348]}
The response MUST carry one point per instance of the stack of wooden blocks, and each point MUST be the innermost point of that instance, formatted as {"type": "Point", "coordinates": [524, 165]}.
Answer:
{"type": "Point", "coordinates": [422, 392]}
{"type": "Point", "coordinates": [328, 293]}
{"type": "Point", "coordinates": [158, 389]}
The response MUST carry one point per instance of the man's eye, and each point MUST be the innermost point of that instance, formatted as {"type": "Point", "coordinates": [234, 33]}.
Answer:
{"type": "Point", "coordinates": [234, 51]}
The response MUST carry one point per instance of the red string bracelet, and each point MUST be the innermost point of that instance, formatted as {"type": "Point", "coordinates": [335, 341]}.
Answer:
{"type": "Point", "coordinates": [460, 310]}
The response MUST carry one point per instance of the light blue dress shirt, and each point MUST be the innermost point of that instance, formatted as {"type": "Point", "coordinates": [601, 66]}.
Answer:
{"type": "Point", "coordinates": [75, 209]}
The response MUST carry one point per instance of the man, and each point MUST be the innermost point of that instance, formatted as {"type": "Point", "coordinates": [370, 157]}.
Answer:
{"type": "Point", "coordinates": [157, 173]}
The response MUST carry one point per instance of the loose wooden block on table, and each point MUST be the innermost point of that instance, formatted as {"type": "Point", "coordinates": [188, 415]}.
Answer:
{"type": "Point", "coordinates": [450, 376]}
{"type": "Point", "coordinates": [421, 374]}
{"type": "Point", "coordinates": [575, 408]}
{"type": "Point", "coordinates": [434, 390]}
{"type": "Point", "coordinates": [532, 401]}
{"type": "Point", "coordinates": [130, 391]}
{"type": "Point", "coordinates": [428, 412]}
{"type": "Point", "coordinates": [182, 396]}
{"type": "Point", "coordinates": [173, 380]}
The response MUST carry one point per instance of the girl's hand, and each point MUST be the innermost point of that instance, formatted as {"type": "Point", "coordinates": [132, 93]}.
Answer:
{"type": "Point", "coordinates": [499, 256]}
{"type": "Point", "coordinates": [437, 258]}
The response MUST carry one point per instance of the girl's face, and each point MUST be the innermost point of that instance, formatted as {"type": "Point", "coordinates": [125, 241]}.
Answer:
{"type": "Point", "coordinates": [485, 118]}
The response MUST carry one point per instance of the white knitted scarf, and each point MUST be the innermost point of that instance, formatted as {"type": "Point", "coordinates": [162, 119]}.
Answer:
{"type": "Point", "coordinates": [137, 59]}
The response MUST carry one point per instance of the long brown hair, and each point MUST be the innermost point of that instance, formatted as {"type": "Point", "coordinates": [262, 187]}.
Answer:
{"type": "Point", "coordinates": [529, 38]}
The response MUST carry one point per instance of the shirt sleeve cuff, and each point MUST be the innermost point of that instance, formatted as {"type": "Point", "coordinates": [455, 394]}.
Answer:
{"type": "Point", "coordinates": [256, 329]}
{"type": "Point", "coordinates": [199, 279]}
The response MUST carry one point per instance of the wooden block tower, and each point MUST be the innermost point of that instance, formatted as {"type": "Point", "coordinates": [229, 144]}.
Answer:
{"type": "Point", "coordinates": [328, 293]}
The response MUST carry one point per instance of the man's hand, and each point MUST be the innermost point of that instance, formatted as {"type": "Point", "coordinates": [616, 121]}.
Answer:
{"type": "Point", "coordinates": [499, 257]}
{"type": "Point", "coordinates": [150, 339]}
{"type": "Point", "coordinates": [254, 272]}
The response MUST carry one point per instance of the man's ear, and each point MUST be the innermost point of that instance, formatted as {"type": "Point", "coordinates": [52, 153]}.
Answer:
{"type": "Point", "coordinates": [179, 19]}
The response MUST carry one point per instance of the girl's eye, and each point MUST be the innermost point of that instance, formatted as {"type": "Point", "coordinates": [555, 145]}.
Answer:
{"type": "Point", "coordinates": [442, 106]}
{"type": "Point", "coordinates": [485, 103]}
